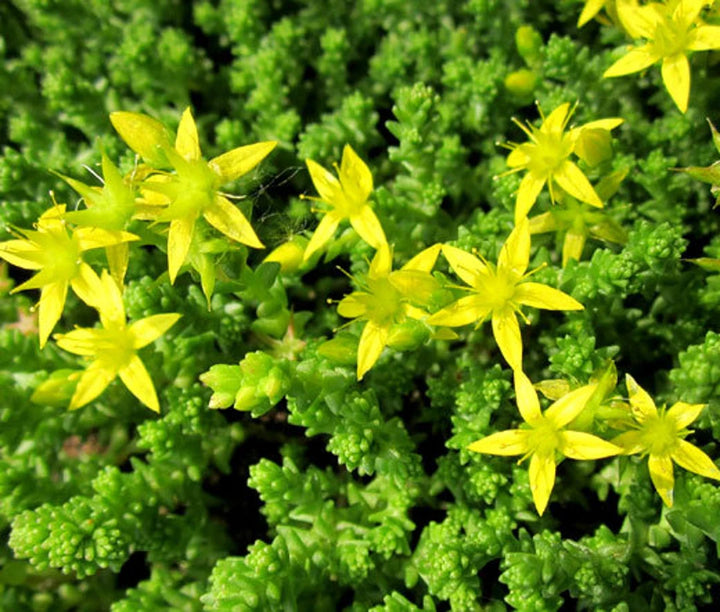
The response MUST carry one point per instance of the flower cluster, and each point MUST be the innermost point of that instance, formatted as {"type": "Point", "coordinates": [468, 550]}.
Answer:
{"type": "Point", "coordinates": [173, 189]}
{"type": "Point", "coordinates": [178, 192]}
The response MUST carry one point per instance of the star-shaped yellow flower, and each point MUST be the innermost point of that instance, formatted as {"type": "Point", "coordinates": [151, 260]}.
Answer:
{"type": "Point", "coordinates": [113, 348]}
{"type": "Point", "coordinates": [547, 159]}
{"type": "Point", "coordinates": [347, 197]}
{"type": "Point", "coordinates": [193, 190]}
{"type": "Point", "coordinates": [578, 221]}
{"type": "Point", "coordinates": [660, 435]}
{"type": "Point", "coordinates": [55, 251]}
{"type": "Point", "coordinates": [546, 437]}
{"type": "Point", "coordinates": [109, 207]}
{"type": "Point", "coordinates": [499, 292]}
{"type": "Point", "coordinates": [389, 297]}
{"type": "Point", "coordinates": [672, 30]}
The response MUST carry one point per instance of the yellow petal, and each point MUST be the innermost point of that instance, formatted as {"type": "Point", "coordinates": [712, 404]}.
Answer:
{"type": "Point", "coordinates": [149, 329]}
{"type": "Point", "coordinates": [466, 310]}
{"type": "Point", "coordinates": [542, 480]}
{"type": "Point", "coordinates": [368, 226]}
{"type": "Point", "coordinates": [381, 263]}
{"type": "Point", "coordinates": [631, 442]}
{"type": "Point", "coordinates": [414, 285]}
{"type": "Point", "coordinates": [661, 474]}
{"type": "Point", "coordinates": [186, 141]}
{"type": "Point", "coordinates": [179, 239]}
{"type": "Point", "coordinates": [635, 60]}
{"type": "Point", "coordinates": [608, 124]}
{"type": "Point", "coordinates": [139, 383]}
{"type": "Point", "coordinates": [109, 302]}
{"type": "Point", "coordinates": [538, 295]}
{"type": "Point", "coordinates": [641, 404]}
{"type": "Point", "coordinates": [424, 260]}
{"type": "Point", "coordinates": [466, 266]}
{"type": "Point", "coordinates": [676, 76]}
{"type": "Point", "coordinates": [504, 443]}
{"type": "Point", "coordinates": [528, 192]}
{"type": "Point", "coordinates": [580, 445]}
{"type": "Point", "coordinates": [118, 256]}
{"type": "Point", "coordinates": [515, 253]}
{"type": "Point", "coordinates": [95, 237]}
{"type": "Point", "coordinates": [639, 21]}
{"type": "Point", "coordinates": [572, 246]}
{"type": "Point", "coordinates": [326, 184]}
{"type": "Point", "coordinates": [507, 335]}
{"type": "Point", "coordinates": [82, 341]}
{"type": "Point", "coordinates": [540, 224]}
{"type": "Point", "coordinates": [52, 301]}
{"type": "Point", "coordinates": [355, 176]}
{"type": "Point", "coordinates": [687, 11]}
{"type": "Point", "coordinates": [144, 135]}
{"type": "Point", "coordinates": [93, 382]}
{"type": "Point", "coordinates": [683, 414]}
{"type": "Point", "coordinates": [693, 459]}
{"type": "Point", "coordinates": [526, 398]}
{"type": "Point", "coordinates": [704, 38]}
{"type": "Point", "coordinates": [229, 220]}
{"type": "Point", "coordinates": [372, 342]}
{"type": "Point", "coordinates": [555, 121]}
{"type": "Point", "coordinates": [518, 157]}
{"type": "Point", "coordinates": [87, 285]}
{"type": "Point", "coordinates": [354, 305]}
{"type": "Point", "coordinates": [574, 182]}
{"type": "Point", "coordinates": [323, 232]}
{"type": "Point", "coordinates": [568, 407]}
{"type": "Point", "coordinates": [591, 8]}
{"type": "Point", "coordinates": [240, 161]}
{"type": "Point", "coordinates": [23, 254]}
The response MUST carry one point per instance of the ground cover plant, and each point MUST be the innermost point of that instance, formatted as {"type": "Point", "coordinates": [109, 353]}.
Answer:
{"type": "Point", "coordinates": [376, 305]}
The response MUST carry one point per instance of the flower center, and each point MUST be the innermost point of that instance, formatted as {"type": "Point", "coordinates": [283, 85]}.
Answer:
{"type": "Point", "coordinates": [197, 185]}
{"type": "Point", "coordinates": [61, 253]}
{"type": "Point", "coordinates": [544, 438]}
{"type": "Point", "coordinates": [670, 39]}
{"type": "Point", "coordinates": [384, 303]}
{"type": "Point", "coordinates": [659, 435]}
{"type": "Point", "coordinates": [116, 346]}
{"type": "Point", "coordinates": [499, 288]}
{"type": "Point", "coordinates": [551, 149]}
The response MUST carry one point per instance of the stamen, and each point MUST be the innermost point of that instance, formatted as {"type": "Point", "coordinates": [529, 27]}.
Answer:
{"type": "Point", "coordinates": [524, 129]}
{"type": "Point", "coordinates": [523, 316]}
{"type": "Point", "coordinates": [511, 171]}
{"type": "Point", "coordinates": [540, 267]}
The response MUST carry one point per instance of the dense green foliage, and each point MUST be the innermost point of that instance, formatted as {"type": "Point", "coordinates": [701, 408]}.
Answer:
{"type": "Point", "coordinates": [319, 492]}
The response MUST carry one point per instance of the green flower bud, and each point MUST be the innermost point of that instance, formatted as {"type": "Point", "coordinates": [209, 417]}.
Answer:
{"type": "Point", "coordinates": [529, 45]}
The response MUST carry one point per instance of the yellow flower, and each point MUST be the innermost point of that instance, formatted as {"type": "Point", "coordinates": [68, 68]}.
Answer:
{"type": "Point", "coordinates": [659, 434]}
{"type": "Point", "coordinates": [546, 437]}
{"type": "Point", "coordinates": [386, 300]}
{"type": "Point", "coordinates": [109, 207]}
{"type": "Point", "coordinates": [57, 257]}
{"type": "Point", "coordinates": [193, 190]}
{"type": "Point", "coordinates": [347, 197]}
{"type": "Point", "coordinates": [547, 159]}
{"type": "Point", "coordinates": [578, 221]}
{"type": "Point", "coordinates": [113, 348]}
{"type": "Point", "coordinates": [499, 291]}
{"type": "Point", "coordinates": [671, 29]}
